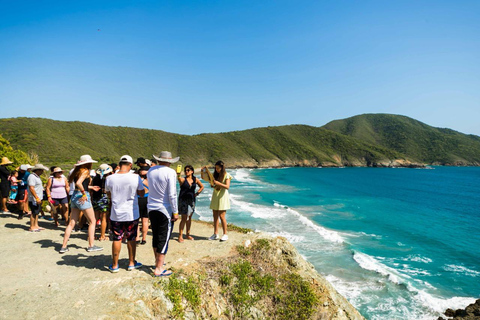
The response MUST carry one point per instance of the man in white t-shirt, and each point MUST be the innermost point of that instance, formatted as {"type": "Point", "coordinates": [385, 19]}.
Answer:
{"type": "Point", "coordinates": [122, 189]}
{"type": "Point", "coordinates": [162, 207]}
{"type": "Point", "coordinates": [35, 195]}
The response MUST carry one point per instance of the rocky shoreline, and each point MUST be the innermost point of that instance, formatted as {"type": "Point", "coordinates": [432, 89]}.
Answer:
{"type": "Point", "coordinates": [471, 312]}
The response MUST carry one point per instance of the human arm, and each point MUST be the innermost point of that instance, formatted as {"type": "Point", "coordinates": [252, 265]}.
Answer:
{"type": "Point", "coordinates": [79, 185]}
{"type": "Point", "coordinates": [172, 197]}
{"type": "Point", "coordinates": [31, 189]}
{"type": "Point", "coordinates": [140, 188]}
{"type": "Point", "coordinates": [200, 184]}
{"type": "Point", "coordinates": [67, 185]}
{"type": "Point", "coordinates": [225, 185]}
{"type": "Point", "coordinates": [48, 189]}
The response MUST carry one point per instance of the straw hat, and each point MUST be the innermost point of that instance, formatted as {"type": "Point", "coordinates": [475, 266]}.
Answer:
{"type": "Point", "coordinates": [5, 161]}
{"type": "Point", "coordinates": [84, 160]}
{"type": "Point", "coordinates": [57, 169]}
{"type": "Point", "coordinates": [104, 169]}
{"type": "Point", "coordinates": [166, 156]}
{"type": "Point", "coordinates": [39, 166]}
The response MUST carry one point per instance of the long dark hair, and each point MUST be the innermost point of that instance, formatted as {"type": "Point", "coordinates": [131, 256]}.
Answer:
{"type": "Point", "coordinates": [221, 175]}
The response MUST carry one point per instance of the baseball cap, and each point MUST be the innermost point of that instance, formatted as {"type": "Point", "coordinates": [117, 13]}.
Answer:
{"type": "Point", "coordinates": [126, 158]}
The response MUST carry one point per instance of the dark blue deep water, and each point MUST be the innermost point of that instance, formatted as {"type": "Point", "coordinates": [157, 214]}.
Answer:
{"type": "Point", "coordinates": [398, 243]}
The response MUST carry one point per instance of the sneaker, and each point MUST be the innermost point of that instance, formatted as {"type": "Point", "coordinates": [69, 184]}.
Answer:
{"type": "Point", "coordinates": [224, 238]}
{"type": "Point", "coordinates": [213, 237]}
{"type": "Point", "coordinates": [94, 248]}
{"type": "Point", "coordinates": [63, 250]}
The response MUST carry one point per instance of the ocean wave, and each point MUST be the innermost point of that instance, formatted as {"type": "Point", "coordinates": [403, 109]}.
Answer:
{"type": "Point", "coordinates": [439, 304]}
{"type": "Point", "coordinates": [417, 258]}
{"type": "Point", "coordinates": [461, 269]}
{"type": "Point", "coordinates": [290, 237]}
{"type": "Point", "coordinates": [244, 175]}
{"type": "Point", "coordinates": [370, 263]}
{"type": "Point", "coordinates": [256, 210]}
{"type": "Point", "coordinates": [329, 235]}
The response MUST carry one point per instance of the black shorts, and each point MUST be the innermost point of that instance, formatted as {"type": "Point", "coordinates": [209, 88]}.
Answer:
{"type": "Point", "coordinates": [142, 207]}
{"type": "Point", "coordinates": [4, 190]}
{"type": "Point", "coordinates": [162, 228]}
{"type": "Point", "coordinates": [35, 208]}
{"type": "Point", "coordinates": [57, 202]}
{"type": "Point", "coordinates": [21, 195]}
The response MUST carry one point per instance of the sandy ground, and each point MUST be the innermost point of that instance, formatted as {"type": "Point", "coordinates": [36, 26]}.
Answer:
{"type": "Point", "coordinates": [39, 283]}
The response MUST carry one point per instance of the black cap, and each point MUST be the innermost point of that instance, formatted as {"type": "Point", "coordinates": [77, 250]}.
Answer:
{"type": "Point", "coordinates": [140, 160]}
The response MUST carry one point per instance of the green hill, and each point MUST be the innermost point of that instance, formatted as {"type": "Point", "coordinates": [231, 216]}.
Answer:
{"type": "Point", "coordinates": [62, 143]}
{"type": "Point", "coordinates": [412, 138]}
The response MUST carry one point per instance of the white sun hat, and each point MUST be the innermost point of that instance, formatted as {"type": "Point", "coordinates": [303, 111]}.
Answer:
{"type": "Point", "coordinates": [166, 156]}
{"type": "Point", "coordinates": [84, 160]}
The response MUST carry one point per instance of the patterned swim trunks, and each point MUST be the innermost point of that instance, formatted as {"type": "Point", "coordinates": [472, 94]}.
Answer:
{"type": "Point", "coordinates": [124, 229]}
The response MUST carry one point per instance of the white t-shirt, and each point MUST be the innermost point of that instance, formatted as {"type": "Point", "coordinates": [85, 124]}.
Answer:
{"type": "Point", "coordinates": [35, 182]}
{"type": "Point", "coordinates": [123, 188]}
{"type": "Point", "coordinates": [162, 190]}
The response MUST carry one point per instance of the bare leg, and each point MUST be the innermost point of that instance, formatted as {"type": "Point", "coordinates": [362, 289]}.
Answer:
{"type": "Point", "coordinates": [223, 219]}
{"type": "Point", "coordinates": [103, 227]}
{"type": "Point", "coordinates": [70, 226]}
{"type": "Point", "coordinates": [180, 228]}
{"type": "Point", "coordinates": [4, 205]}
{"type": "Point", "coordinates": [116, 247]}
{"type": "Point", "coordinates": [159, 261]}
{"type": "Point", "coordinates": [91, 225]}
{"type": "Point", "coordinates": [215, 221]}
{"type": "Point", "coordinates": [132, 250]}
{"type": "Point", "coordinates": [189, 225]}
{"type": "Point", "coordinates": [65, 212]}
{"type": "Point", "coordinates": [32, 222]}
{"type": "Point", "coordinates": [144, 228]}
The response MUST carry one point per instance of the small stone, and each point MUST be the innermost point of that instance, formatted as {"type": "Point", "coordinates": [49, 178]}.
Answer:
{"type": "Point", "coordinates": [325, 304]}
{"type": "Point", "coordinates": [247, 243]}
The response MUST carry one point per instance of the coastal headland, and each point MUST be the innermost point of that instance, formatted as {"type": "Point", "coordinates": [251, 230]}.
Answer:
{"type": "Point", "coordinates": [251, 275]}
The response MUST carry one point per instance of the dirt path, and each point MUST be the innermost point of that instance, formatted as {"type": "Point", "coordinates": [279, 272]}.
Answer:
{"type": "Point", "coordinates": [39, 283]}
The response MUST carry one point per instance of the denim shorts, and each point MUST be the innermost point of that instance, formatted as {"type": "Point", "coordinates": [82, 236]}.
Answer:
{"type": "Point", "coordinates": [74, 202]}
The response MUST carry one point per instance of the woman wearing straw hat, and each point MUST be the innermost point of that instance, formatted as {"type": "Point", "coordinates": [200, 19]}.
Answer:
{"type": "Point", "coordinates": [57, 193]}
{"type": "Point", "coordinates": [4, 184]}
{"type": "Point", "coordinates": [80, 201]}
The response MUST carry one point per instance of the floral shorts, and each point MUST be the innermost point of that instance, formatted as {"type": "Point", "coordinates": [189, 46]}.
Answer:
{"type": "Point", "coordinates": [124, 229]}
{"type": "Point", "coordinates": [101, 204]}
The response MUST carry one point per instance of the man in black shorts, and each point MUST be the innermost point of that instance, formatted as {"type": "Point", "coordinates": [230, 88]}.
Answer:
{"type": "Point", "coordinates": [162, 207]}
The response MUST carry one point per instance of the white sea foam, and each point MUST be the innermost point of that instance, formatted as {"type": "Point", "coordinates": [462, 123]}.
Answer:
{"type": "Point", "coordinates": [461, 269]}
{"type": "Point", "coordinates": [256, 210]}
{"type": "Point", "coordinates": [370, 263]}
{"type": "Point", "coordinates": [290, 237]}
{"type": "Point", "coordinates": [244, 175]}
{"type": "Point", "coordinates": [417, 258]}
{"type": "Point", "coordinates": [439, 305]}
{"type": "Point", "coordinates": [329, 235]}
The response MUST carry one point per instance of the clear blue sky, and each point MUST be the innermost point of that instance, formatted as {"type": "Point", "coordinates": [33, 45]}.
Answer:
{"type": "Point", "coordinates": [211, 66]}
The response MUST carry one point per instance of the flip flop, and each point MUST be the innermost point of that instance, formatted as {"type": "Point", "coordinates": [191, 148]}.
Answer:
{"type": "Point", "coordinates": [112, 269]}
{"type": "Point", "coordinates": [34, 230]}
{"type": "Point", "coordinates": [165, 273]}
{"type": "Point", "coordinates": [135, 266]}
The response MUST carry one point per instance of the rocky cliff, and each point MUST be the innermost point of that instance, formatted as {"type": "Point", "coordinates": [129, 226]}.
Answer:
{"type": "Point", "coordinates": [265, 278]}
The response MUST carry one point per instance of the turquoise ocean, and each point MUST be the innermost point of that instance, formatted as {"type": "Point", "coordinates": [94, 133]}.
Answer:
{"type": "Point", "coordinates": [397, 243]}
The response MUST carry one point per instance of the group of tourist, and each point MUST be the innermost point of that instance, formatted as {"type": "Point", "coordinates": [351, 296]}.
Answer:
{"type": "Point", "coordinates": [118, 196]}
